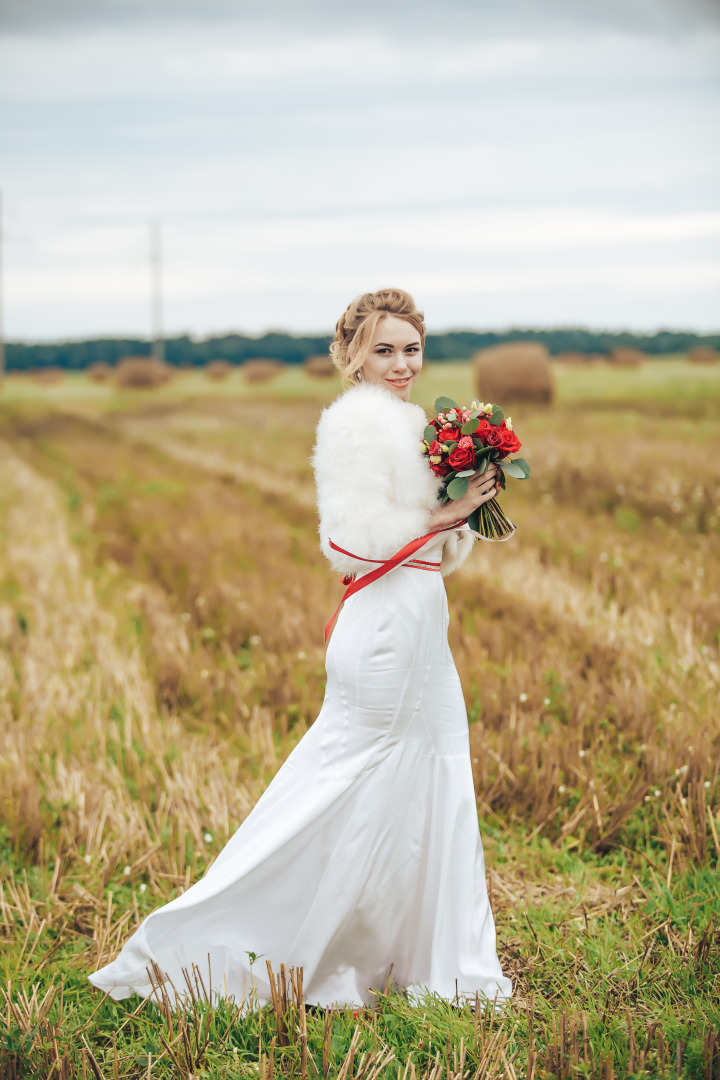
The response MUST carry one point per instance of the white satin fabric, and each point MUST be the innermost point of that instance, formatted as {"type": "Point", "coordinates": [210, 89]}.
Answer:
{"type": "Point", "coordinates": [362, 860]}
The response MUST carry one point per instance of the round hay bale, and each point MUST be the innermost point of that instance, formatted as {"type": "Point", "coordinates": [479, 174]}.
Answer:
{"type": "Point", "coordinates": [570, 358]}
{"type": "Point", "coordinates": [141, 373]}
{"type": "Point", "coordinates": [99, 371]}
{"type": "Point", "coordinates": [261, 369]}
{"type": "Point", "coordinates": [516, 372]}
{"type": "Point", "coordinates": [320, 367]}
{"type": "Point", "coordinates": [218, 369]}
{"type": "Point", "coordinates": [627, 357]}
{"type": "Point", "coordinates": [48, 376]}
{"type": "Point", "coordinates": [703, 354]}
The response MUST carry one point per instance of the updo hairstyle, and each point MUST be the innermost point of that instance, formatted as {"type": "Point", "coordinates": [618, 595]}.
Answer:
{"type": "Point", "coordinates": [356, 327]}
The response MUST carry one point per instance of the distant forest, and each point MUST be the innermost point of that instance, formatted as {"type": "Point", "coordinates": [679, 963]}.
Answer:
{"type": "Point", "coordinates": [293, 349]}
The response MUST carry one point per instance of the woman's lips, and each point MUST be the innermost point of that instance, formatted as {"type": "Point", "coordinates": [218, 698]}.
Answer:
{"type": "Point", "coordinates": [400, 382]}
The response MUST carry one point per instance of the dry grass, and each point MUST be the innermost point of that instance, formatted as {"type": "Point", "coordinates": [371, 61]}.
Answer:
{"type": "Point", "coordinates": [571, 358]}
{"type": "Point", "coordinates": [703, 354]}
{"type": "Point", "coordinates": [218, 370]}
{"type": "Point", "coordinates": [141, 373]}
{"type": "Point", "coordinates": [48, 376]}
{"type": "Point", "coordinates": [100, 372]}
{"type": "Point", "coordinates": [320, 367]}
{"type": "Point", "coordinates": [627, 357]}
{"type": "Point", "coordinates": [517, 372]}
{"type": "Point", "coordinates": [261, 370]}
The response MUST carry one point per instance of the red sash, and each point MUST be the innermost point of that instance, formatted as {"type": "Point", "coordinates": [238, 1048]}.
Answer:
{"type": "Point", "coordinates": [386, 566]}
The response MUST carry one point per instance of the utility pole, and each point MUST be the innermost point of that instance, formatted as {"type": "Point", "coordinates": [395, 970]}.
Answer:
{"type": "Point", "coordinates": [158, 338]}
{"type": "Point", "coordinates": [2, 338]}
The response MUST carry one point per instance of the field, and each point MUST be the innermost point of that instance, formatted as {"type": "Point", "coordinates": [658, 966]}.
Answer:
{"type": "Point", "coordinates": [157, 663]}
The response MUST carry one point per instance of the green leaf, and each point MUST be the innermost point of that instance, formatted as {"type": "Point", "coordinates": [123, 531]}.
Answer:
{"type": "Point", "coordinates": [450, 446]}
{"type": "Point", "coordinates": [457, 487]}
{"type": "Point", "coordinates": [469, 427]}
{"type": "Point", "coordinates": [496, 416]}
{"type": "Point", "coordinates": [430, 434]}
{"type": "Point", "coordinates": [501, 480]}
{"type": "Point", "coordinates": [511, 468]}
{"type": "Point", "coordinates": [523, 465]}
{"type": "Point", "coordinates": [443, 404]}
{"type": "Point", "coordinates": [465, 472]}
{"type": "Point", "coordinates": [474, 520]}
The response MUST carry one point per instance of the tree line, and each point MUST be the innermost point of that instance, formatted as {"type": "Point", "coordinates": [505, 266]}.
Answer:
{"type": "Point", "coordinates": [294, 348]}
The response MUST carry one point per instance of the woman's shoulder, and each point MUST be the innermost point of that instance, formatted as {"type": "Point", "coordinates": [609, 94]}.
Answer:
{"type": "Point", "coordinates": [367, 403]}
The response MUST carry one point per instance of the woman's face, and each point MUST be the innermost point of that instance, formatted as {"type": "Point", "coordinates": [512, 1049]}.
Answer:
{"type": "Point", "coordinates": [395, 356]}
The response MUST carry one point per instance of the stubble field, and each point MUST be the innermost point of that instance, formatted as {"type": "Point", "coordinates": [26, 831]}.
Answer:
{"type": "Point", "coordinates": [162, 605]}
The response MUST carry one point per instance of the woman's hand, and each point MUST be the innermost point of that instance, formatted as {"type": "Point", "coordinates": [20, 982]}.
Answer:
{"type": "Point", "coordinates": [481, 488]}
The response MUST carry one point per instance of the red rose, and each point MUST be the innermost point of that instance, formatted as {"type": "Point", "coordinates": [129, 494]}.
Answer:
{"type": "Point", "coordinates": [484, 426]}
{"type": "Point", "coordinates": [510, 442]}
{"type": "Point", "coordinates": [463, 456]}
{"type": "Point", "coordinates": [449, 435]}
{"type": "Point", "coordinates": [493, 436]}
{"type": "Point", "coordinates": [440, 470]}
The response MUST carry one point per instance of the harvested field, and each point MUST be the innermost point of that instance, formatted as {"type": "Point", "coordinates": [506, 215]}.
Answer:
{"type": "Point", "coordinates": [157, 665]}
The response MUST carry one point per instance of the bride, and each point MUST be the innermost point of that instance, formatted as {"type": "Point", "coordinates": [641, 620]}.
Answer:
{"type": "Point", "coordinates": [362, 862]}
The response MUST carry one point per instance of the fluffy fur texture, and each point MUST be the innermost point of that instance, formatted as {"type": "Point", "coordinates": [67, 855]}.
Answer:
{"type": "Point", "coordinates": [375, 490]}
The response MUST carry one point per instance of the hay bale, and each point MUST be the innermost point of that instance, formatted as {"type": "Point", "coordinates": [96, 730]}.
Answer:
{"type": "Point", "coordinates": [99, 371]}
{"type": "Point", "coordinates": [627, 357]}
{"type": "Point", "coordinates": [48, 376]}
{"type": "Point", "coordinates": [570, 358]}
{"type": "Point", "coordinates": [141, 372]}
{"type": "Point", "coordinates": [518, 371]}
{"type": "Point", "coordinates": [320, 367]}
{"type": "Point", "coordinates": [262, 369]}
{"type": "Point", "coordinates": [218, 369]}
{"type": "Point", "coordinates": [703, 354]}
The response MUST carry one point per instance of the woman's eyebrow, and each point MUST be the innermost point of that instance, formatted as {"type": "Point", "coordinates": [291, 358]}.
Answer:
{"type": "Point", "coordinates": [385, 345]}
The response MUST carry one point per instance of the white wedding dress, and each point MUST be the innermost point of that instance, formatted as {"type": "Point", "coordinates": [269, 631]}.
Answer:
{"type": "Point", "coordinates": [362, 861]}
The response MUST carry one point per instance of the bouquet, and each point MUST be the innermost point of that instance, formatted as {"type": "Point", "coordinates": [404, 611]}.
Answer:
{"type": "Point", "coordinates": [463, 440]}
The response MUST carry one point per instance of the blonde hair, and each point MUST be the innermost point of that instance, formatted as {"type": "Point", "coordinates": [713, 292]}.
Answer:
{"type": "Point", "coordinates": [356, 327]}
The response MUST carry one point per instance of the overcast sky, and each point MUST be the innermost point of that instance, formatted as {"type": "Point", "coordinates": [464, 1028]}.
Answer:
{"type": "Point", "coordinates": [525, 163]}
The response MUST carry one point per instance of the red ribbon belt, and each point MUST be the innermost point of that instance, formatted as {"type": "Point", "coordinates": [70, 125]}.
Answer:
{"type": "Point", "coordinates": [385, 566]}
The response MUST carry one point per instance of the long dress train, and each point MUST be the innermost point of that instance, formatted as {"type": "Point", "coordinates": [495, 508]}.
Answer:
{"type": "Point", "coordinates": [363, 856]}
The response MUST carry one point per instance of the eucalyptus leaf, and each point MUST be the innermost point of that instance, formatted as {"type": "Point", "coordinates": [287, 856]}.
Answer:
{"type": "Point", "coordinates": [443, 404]}
{"type": "Point", "coordinates": [469, 426]}
{"type": "Point", "coordinates": [430, 434]}
{"type": "Point", "coordinates": [523, 465]}
{"type": "Point", "coordinates": [457, 487]}
{"type": "Point", "coordinates": [466, 472]}
{"type": "Point", "coordinates": [497, 416]}
{"type": "Point", "coordinates": [511, 468]}
{"type": "Point", "coordinates": [450, 446]}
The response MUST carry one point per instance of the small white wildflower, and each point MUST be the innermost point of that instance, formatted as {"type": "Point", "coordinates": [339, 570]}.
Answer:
{"type": "Point", "coordinates": [255, 639]}
{"type": "Point", "coordinates": [186, 616]}
{"type": "Point", "coordinates": [707, 784]}
{"type": "Point", "coordinates": [302, 655]}
{"type": "Point", "coordinates": [644, 746]}
{"type": "Point", "coordinates": [126, 871]}
{"type": "Point", "coordinates": [581, 753]}
{"type": "Point", "coordinates": [208, 838]}
{"type": "Point", "coordinates": [647, 798]}
{"type": "Point", "coordinates": [86, 858]}
{"type": "Point", "coordinates": [546, 701]}
{"type": "Point", "coordinates": [523, 697]}
{"type": "Point", "coordinates": [657, 793]}
{"type": "Point", "coordinates": [142, 887]}
{"type": "Point", "coordinates": [475, 761]}
{"type": "Point", "coordinates": [561, 789]}
{"type": "Point", "coordinates": [204, 673]}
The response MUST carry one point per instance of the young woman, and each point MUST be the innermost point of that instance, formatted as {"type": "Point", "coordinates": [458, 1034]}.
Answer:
{"type": "Point", "coordinates": [362, 862]}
